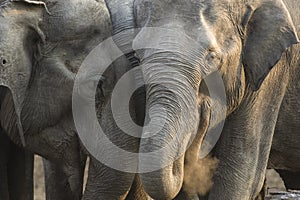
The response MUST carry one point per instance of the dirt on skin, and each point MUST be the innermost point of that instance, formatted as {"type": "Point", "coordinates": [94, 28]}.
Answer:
{"type": "Point", "coordinates": [274, 182]}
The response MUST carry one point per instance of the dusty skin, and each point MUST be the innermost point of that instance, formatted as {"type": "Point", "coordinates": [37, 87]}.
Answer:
{"type": "Point", "coordinates": [273, 180]}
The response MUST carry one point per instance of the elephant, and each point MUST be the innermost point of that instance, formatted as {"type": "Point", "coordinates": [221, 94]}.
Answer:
{"type": "Point", "coordinates": [16, 170]}
{"type": "Point", "coordinates": [105, 182]}
{"type": "Point", "coordinates": [42, 45]}
{"type": "Point", "coordinates": [249, 45]}
{"type": "Point", "coordinates": [285, 150]}
{"type": "Point", "coordinates": [246, 43]}
{"type": "Point", "coordinates": [14, 161]}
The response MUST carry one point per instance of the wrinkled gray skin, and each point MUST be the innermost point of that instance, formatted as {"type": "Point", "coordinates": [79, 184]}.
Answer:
{"type": "Point", "coordinates": [57, 60]}
{"type": "Point", "coordinates": [245, 40]}
{"type": "Point", "coordinates": [16, 170]}
{"type": "Point", "coordinates": [104, 182]}
{"type": "Point", "coordinates": [285, 150]}
{"type": "Point", "coordinates": [40, 54]}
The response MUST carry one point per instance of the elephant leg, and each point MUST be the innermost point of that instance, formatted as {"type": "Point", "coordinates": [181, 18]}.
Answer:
{"type": "Point", "coordinates": [242, 164]}
{"type": "Point", "coordinates": [106, 183]}
{"type": "Point", "coordinates": [20, 173]}
{"type": "Point", "coordinates": [60, 146]}
{"type": "Point", "coordinates": [244, 147]}
{"type": "Point", "coordinates": [137, 191]}
{"type": "Point", "coordinates": [56, 182]}
{"type": "Point", "coordinates": [291, 179]}
{"type": "Point", "coordinates": [263, 192]}
{"type": "Point", "coordinates": [16, 171]}
{"type": "Point", "coordinates": [4, 153]}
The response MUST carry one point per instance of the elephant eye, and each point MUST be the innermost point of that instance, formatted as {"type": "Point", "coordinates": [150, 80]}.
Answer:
{"type": "Point", "coordinates": [213, 58]}
{"type": "Point", "coordinates": [4, 61]}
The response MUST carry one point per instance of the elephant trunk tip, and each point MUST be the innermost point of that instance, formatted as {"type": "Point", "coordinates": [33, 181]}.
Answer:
{"type": "Point", "coordinates": [164, 183]}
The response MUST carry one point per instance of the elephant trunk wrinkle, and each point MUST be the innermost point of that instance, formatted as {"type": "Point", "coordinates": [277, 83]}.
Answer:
{"type": "Point", "coordinates": [15, 116]}
{"type": "Point", "coordinates": [172, 112]}
{"type": "Point", "coordinates": [165, 183]}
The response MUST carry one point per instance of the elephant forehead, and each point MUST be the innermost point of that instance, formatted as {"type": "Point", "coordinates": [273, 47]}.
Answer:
{"type": "Point", "coordinates": [75, 19]}
{"type": "Point", "coordinates": [9, 34]}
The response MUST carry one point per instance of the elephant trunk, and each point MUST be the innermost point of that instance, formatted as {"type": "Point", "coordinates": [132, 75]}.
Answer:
{"type": "Point", "coordinates": [122, 15]}
{"type": "Point", "coordinates": [123, 23]}
{"type": "Point", "coordinates": [172, 120]}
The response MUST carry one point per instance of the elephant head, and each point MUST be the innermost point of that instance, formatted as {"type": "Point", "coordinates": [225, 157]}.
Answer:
{"type": "Point", "coordinates": [37, 51]}
{"type": "Point", "coordinates": [241, 40]}
{"type": "Point", "coordinates": [19, 30]}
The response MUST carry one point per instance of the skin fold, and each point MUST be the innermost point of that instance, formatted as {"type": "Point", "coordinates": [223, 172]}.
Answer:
{"type": "Point", "coordinates": [246, 42]}
{"type": "Point", "coordinates": [54, 56]}
{"type": "Point", "coordinates": [16, 170]}
{"type": "Point", "coordinates": [285, 150]}
{"type": "Point", "coordinates": [40, 54]}
{"type": "Point", "coordinates": [103, 181]}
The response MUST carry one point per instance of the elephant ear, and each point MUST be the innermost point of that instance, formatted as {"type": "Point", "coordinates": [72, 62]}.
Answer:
{"type": "Point", "coordinates": [269, 32]}
{"type": "Point", "coordinates": [23, 26]}
{"type": "Point", "coordinates": [33, 2]}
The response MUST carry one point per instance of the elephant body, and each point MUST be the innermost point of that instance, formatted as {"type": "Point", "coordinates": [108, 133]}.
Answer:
{"type": "Point", "coordinates": [42, 47]}
{"type": "Point", "coordinates": [284, 156]}
{"type": "Point", "coordinates": [249, 44]}
{"type": "Point", "coordinates": [36, 110]}
{"type": "Point", "coordinates": [285, 150]}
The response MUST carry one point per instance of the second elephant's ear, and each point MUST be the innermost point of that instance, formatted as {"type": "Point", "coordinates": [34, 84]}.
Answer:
{"type": "Point", "coordinates": [269, 32]}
